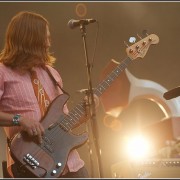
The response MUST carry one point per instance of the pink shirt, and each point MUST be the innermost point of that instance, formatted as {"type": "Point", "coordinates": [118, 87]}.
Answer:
{"type": "Point", "coordinates": [17, 97]}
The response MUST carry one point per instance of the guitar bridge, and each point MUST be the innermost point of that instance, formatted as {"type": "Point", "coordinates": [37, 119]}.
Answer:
{"type": "Point", "coordinates": [29, 159]}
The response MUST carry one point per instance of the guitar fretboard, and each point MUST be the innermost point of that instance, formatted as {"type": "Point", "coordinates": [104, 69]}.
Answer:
{"type": "Point", "coordinates": [73, 118]}
{"type": "Point", "coordinates": [111, 77]}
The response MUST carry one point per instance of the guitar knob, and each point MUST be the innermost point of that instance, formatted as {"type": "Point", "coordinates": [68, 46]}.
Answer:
{"type": "Point", "coordinates": [54, 172]}
{"type": "Point", "coordinates": [58, 165]}
{"type": "Point", "coordinates": [150, 39]}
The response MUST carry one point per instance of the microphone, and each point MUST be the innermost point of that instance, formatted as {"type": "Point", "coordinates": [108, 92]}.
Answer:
{"type": "Point", "coordinates": [173, 93]}
{"type": "Point", "coordinates": [75, 23]}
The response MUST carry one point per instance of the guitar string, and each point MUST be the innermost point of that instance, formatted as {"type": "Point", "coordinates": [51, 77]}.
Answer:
{"type": "Point", "coordinates": [50, 137]}
{"type": "Point", "coordinates": [55, 131]}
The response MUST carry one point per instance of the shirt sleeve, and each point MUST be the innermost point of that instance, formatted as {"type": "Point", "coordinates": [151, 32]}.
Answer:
{"type": "Point", "coordinates": [1, 84]}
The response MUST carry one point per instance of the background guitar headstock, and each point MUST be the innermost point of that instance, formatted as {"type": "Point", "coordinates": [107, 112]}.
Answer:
{"type": "Point", "coordinates": [140, 48]}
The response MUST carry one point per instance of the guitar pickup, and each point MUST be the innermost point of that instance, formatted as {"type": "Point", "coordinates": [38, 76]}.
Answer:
{"type": "Point", "coordinates": [29, 159]}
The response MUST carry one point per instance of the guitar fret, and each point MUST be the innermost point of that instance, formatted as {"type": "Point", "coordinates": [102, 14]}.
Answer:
{"type": "Point", "coordinates": [118, 71]}
{"type": "Point", "coordinates": [101, 89]}
{"type": "Point", "coordinates": [80, 108]}
{"type": "Point", "coordinates": [72, 119]}
{"type": "Point", "coordinates": [66, 123]}
{"type": "Point", "coordinates": [113, 75]}
{"type": "Point", "coordinates": [105, 84]}
{"type": "Point", "coordinates": [126, 62]}
{"type": "Point", "coordinates": [122, 68]}
{"type": "Point", "coordinates": [96, 92]}
{"type": "Point", "coordinates": [79, 111]}
{"type": "Point", "coordinates": [63, 125]}
{"type": "Point", "coordinates": [75, 114]}
{"type": "Point", "coordinates": [99, 92]}
{"type": "Point", "coordinates": [110, 79]}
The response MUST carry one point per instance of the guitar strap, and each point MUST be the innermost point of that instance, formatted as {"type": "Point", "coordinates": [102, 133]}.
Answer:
{"type": "Point", "coordinates": [54, 79]}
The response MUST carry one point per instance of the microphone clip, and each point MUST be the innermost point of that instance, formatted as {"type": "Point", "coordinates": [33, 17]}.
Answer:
{"type": "Point", "coordinates": [75, 23]}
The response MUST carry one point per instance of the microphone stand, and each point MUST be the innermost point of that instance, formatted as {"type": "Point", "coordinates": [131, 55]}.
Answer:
{"type": "Point", "coordinates": [91, 102]}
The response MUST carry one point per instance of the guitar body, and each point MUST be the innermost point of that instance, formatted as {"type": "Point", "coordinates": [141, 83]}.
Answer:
{"type": "Point", "coordinates": [49, 158]}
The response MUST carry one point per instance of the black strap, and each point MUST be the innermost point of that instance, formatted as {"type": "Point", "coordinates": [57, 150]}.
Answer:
{"type": "Point", "coordinates": [8, 142]}
{"type": "Point", "coordinates": [54, 80]}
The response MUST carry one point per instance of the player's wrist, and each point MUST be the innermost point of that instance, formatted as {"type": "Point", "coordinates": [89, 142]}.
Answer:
{"type": "Point", "coordinates": [16, 120]}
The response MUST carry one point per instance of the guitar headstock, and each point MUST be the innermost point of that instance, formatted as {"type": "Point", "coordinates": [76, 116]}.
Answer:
{"type": "Point", "coordinates": [140, 48]}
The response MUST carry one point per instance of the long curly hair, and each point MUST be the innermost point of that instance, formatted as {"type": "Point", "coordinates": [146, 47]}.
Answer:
{"type": "Point", "coordinates": [26, 42]}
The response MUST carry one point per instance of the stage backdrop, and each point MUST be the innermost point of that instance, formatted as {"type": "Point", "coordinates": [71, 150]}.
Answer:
{"type": "Point", "coordinates": [118, 21]}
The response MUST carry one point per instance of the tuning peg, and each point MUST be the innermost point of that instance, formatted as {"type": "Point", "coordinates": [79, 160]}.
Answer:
{"type": "Point", "coordinates": [144, 42]}
{"type": "Point", "coordinates": [144, 32]}
{"type": "Point", "coordinates": [126, 44]}
{"type": "Point", "coordinates": [139, 36]}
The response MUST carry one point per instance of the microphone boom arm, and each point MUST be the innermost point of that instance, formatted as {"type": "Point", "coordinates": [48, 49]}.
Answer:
{"type": "Point", "coordinates": [173, 93]}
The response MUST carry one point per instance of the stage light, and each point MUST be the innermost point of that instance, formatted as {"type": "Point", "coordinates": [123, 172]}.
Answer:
{"type": "Point", "coordinates": [137, 147]}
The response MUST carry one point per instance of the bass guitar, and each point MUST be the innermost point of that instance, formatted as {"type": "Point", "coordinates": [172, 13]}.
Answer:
{"type": "Point", "coordinates": [48, 160]}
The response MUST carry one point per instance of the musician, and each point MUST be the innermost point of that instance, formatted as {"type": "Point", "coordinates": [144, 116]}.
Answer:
{"type": "Point", "coordinates": [26, 50]}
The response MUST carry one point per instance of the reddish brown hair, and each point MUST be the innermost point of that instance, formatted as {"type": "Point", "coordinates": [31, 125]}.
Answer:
{"type": "Point", "coordinates": [26, 42]}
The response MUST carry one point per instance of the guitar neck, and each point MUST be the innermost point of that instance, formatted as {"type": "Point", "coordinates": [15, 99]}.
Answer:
{"type": "Point", "coordinates": [111, 77]}
{"type": "Point", "coordinates": [74, 117]}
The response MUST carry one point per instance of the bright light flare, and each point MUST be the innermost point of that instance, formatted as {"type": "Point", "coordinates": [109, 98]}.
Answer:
{"type": "Point", "coordinates": [137, 148]}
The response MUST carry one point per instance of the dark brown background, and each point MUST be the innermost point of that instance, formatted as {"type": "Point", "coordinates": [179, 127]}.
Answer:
{"type": "Point", "coordinates": [117, 22]}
